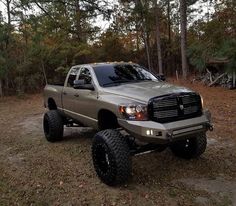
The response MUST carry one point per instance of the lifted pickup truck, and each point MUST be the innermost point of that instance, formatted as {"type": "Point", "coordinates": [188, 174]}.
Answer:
{"type": "Point", "coordinates": [134, 112]}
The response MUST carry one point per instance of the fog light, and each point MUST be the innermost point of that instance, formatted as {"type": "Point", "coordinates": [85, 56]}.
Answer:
{"type": "Point", "coordinates": [149, 132]}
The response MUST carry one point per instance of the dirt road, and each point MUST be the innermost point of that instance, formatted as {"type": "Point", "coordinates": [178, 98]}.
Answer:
{"type": "Point", "coordinates": [35, 172]}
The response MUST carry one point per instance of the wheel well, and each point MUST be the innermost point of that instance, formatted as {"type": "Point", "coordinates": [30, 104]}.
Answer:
{"type": "Point", "coordinates": [52, 104]}
{"type": "Point", "coordinates": [107, 120]}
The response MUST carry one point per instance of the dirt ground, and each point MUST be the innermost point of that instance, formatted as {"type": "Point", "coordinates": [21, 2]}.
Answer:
{"type": "Point", "coordinates": [36, 172]}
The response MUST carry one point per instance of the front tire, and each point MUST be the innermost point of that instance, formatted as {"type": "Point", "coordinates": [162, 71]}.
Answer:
{"type": "Point", "coordinates": [111, 157]}
{"type": "Point", "coordinates": [190, 148]}
{"type": "Point", "coordinates": [53, 126]}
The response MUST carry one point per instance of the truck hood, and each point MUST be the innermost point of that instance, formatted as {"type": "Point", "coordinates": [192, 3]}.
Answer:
{"type": "Point", "coordinates": [143, 91]}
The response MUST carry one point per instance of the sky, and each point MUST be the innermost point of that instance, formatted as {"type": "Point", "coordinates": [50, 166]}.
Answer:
{"type": "Point", "coordinates": [206, 8]}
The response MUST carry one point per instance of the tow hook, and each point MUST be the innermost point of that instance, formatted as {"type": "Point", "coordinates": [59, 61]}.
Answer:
{"type": "Point", "coordinates": [210, 127]}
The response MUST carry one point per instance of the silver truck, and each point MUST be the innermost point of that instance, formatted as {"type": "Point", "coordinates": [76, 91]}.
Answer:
{"type": "Point", "coordinates": [134, 112]}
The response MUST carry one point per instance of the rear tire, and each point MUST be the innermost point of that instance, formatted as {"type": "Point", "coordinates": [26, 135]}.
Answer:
{"type": "Point", "coordinates": [111, 157]}
{"type": "Point", "coordinates": [190, 148]}
{"type": "Point", "coordinates": [53, 126]}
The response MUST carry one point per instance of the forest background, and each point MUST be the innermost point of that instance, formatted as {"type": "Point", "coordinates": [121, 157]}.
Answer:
{"type": "Point", "coordinates": [41, 40]}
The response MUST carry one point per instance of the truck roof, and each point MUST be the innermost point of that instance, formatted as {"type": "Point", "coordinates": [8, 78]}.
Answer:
{"type": "Point", "coordinates": [104, 64]}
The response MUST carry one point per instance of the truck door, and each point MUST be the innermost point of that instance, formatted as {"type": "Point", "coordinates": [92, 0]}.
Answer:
{"type": "Point", "coordinates": [69, 99]}
{"type": "Point", "coordinates": [86, 100]}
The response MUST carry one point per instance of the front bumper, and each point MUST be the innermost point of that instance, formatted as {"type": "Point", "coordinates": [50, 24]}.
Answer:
{"type": "Point", "coordinates": [149, 131]}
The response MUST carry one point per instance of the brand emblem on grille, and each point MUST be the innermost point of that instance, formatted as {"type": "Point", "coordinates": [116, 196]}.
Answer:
{"type": "Point", "coordinates": [181, 107]}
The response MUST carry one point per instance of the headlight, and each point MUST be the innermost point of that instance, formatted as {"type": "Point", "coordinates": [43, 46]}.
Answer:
{"type": "Point", "coordinates": [134, 111]}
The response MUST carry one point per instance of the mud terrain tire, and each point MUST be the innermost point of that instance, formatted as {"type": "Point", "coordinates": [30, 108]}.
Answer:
{"type": "Point", "coordinates": [190, 148]}
{"type": "Point", "coordinates": [53, 126]}
{"type": "Point", "coordinates": [111, 157]}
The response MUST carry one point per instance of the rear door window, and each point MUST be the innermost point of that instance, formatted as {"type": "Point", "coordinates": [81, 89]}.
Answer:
{"type": "Point", "coordinates": [85, 75]}
{"type": "Point", "coordinates": [72, 77]}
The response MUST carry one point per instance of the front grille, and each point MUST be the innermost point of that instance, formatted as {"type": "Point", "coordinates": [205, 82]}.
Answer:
{"type": "Point", "coordinates": [165, 103]}
{"type": "Point", "coordinates": [174, 107]}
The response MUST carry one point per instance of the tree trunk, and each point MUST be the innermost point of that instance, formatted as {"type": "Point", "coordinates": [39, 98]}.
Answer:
{"type": "Point", "coordinates": [158, 39]}
{"type": "Point", "coordinates": [183, 27]}
{"type": "Point", "coordinates": [234, 79]}
{"type": "Point", "coordinates": [6, 83]}
{"type": "Point", "coordinates": [146, 42]}
{"type": "Point", "coordinates": [8, 12]}
{"type": "Point", "coordinates": [145, 33]}
{"type": "Point", "coordinates": [8, 2]}
{"type": "Point", "coordinates": [169, 22]}
{"type": "Point", "coordinates": [78, 28]}
{"type": "Point", "coordinates": [1, 91]}
{"type": "Point", "coordinates": [8, 39]}
{"type": "Point", "coordinates": [170, 57]}
{"type": "Point", "coordinates": [137, 37]}
{"type": "Point", "coordinates": [44, 72]}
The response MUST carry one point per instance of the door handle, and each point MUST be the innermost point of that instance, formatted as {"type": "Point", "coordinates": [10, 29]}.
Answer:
{"type": "Point", "coordinates": [76, 95]}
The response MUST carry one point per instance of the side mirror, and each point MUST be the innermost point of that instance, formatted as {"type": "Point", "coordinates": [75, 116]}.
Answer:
{"type": "Point", "coordinates": [80, 84]}
{"type": "Point", "coordinates": [77, 83]}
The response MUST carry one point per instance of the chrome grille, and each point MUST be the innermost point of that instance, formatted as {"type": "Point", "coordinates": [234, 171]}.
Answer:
{"type": "Point", "coordinates": [175, 107]}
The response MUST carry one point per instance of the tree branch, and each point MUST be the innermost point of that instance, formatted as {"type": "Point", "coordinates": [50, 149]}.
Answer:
{"type": "Point", "coordinates": [39, 6]}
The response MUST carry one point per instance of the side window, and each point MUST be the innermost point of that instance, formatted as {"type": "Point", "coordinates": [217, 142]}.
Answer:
{"type": "Point", "coordinates": [72, 77]}
{"type": "Point", "coordinates": [85, 75]}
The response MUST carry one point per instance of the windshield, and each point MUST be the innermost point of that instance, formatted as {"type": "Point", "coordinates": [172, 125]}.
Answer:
{"type": "Point", "coordinates": [112, 75]}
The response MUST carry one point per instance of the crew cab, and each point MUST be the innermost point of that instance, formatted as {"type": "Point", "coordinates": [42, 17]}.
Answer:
{"type": "Point", "coordinates": [132, 109]}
